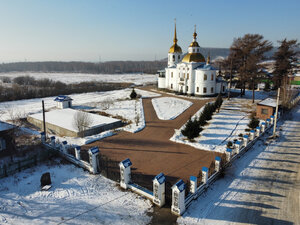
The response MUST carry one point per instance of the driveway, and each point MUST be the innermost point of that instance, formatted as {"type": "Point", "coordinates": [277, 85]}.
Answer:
{"type": "Point", "coordinates": [151, 151]}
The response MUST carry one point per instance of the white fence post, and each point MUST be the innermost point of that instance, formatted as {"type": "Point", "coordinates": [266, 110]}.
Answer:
{"type": "Point", "coordinates": [43, 137]}
{"type": "Point", "coordinates": [228, 154]}
{"type": "Point", "coordinates": [263, 127]}
{"type": "Point", "coordinates": [178, 198]}
{"type": "Point", "coordinates": [237, 146]}
{"type": "Point", "coordinates": [193, 184]}
{"type": "Point", "coordinates": [64, 147]}
{"type": "Point", "coordinates": [52, 141]}
{"type": "Point", "coordinates": [217, 163]}
{"type": "Point", "coordinates": [125, 173]}
{"type": "Point", "coordinates": [252, 135]}
{"type": "Point", "coordinates": [257, 131]}
{"type": "Point", "coordinates": [245, 140]}
{"type": "Point", "coordinates": [204, 174]}
{"type": "Point", "coordinates": [272, 119]}
{"type": "Point", "coordinates": [77, 152]}
{"type": "Point", "coordinates": [159, 192]}
{"type": "Point", "coordinates": [93, 153]}
{"type": "Point", "coordinates": [268, 121]}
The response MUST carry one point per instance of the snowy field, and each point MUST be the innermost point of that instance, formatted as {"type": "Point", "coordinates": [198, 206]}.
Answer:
{"type": "Point", "coordinates": [116, 103]}
{"type": "Point", "coordinates": [224, 126]}
{"type": "Point", "coordinates": [76, 197]}
{"type": "Point", "coordinates": [261, 187]}
{"type": "Point", "coordinates": [69, 78]}
{"type": "Point", "coordinates": [168, 108]}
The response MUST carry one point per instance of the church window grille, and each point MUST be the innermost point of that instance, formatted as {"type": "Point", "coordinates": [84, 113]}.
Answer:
{"type": "Point", "coordinates": [205, 77]}
{"type": "Point", "coordinates": [204, 90]}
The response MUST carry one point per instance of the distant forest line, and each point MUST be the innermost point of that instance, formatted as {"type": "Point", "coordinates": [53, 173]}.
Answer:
{"type": "Point", "coordinates": [110, 67]}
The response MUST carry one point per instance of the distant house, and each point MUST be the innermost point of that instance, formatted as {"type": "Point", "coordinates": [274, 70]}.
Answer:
{"type": "Point", "coordinates": [6, 139]}
{"type": "Point", "coordinates": [63, 102]}
{"type": "Point", "coordinates": [266, 108]}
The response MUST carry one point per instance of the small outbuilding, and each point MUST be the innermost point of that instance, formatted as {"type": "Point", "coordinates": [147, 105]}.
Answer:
{"type": "Point", "coordinates": [63, 102]}
{"type": "Point", "coordinates": [6, 139]}
{"type": "Point", "coordinates": [266, 108]}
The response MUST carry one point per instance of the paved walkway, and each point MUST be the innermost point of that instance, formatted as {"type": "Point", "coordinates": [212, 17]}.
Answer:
{"type": "Point", "coordinates": [151, 151]}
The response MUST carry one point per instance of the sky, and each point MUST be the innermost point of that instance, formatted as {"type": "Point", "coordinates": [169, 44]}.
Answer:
{"type": "Point", "coordinates": [106, 30]}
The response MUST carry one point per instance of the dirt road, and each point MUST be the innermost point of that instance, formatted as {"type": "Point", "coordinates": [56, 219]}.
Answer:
{"type": "Point", "coordinates": [262, 187]}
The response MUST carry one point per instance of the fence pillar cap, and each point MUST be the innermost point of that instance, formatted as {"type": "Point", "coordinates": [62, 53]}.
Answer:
{"type": "Point", "coordinates": [126, 163]}
{"type": "Point", "coordinates": [65, 142]}
{"type": "Point", "coordinates": [180, 185]}
{"type": "Point", "coordinates": [78, 147]}
{"type": "Point", "coordinates": [193, 178]}
{"type": "Point", "coordinates": [227, 150]}
{"type": "Point", "coordinates": [218, 158]}
{"type": "Point", "coordinates": [204, 169]}
{"type": "Point", "coordinates": [245, 136]}
{"type": "Point", "coordinates": [52, 137]}
{"type": "Point", "coordinates": [258, 128]}
{"type": "Point", "coordinates": [42, 133]}
{"type": "Point", "coordinates": [160, 178]}
{"type": "Point", "coordinates": [263, 123]}
{"type": "Point", "coordinates": [252, 131]}
{"type": "Point", "coordinates": [237, 142]}
{"type": "Point", "coordinates": [271, 116]}
{"type": "Point", "coordinates": [268, 120]}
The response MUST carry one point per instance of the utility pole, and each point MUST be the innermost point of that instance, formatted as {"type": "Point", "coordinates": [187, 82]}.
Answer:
{"type": "Point", "coordinates": [44, 122]}
{"type": "Point", "coordinates": [230, 80]}
{"type": "Point", "coordinates": [276, 113]}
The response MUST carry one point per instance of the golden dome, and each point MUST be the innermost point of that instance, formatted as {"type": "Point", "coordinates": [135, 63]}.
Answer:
{"type": "Point", "coordinates": [194, 44]}
{"type": "Point", "coordinates": [193, 57]}
{"type": "Point", "coordinates": [175, 48]}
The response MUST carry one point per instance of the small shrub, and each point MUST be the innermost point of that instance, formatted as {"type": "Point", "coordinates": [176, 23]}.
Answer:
{"type": "Point", "coordinates": [229, 144]}
{"type": "Point", "coordinates": [254, 122]}
{"type": "Point", "coordinates": [133, 94]}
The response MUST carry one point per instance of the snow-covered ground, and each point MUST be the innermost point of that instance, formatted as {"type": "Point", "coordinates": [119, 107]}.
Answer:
{"type": "Point", "coordinates": [168, 108]}
{"type": "Point", "coordinates": [115, 103]}
{"type": "Point", "coordinates": [76, 197]}
{"type": "Point", "coordinates": [224, 126]}
{"type": "Point", "coordinates": [261, 187]}
{"type": "Point", "coordinates": [69, 78]}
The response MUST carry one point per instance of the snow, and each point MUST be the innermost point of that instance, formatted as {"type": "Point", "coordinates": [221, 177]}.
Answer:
{"type": "Point", "coordinates": [250, 184]}
{"type": "Point", "coordinates": [116, 103]}
{"type": "Point", "coordinates": [168, 108]}
{"type": "Point", "coordinates": [65, 118]}
{"type": "Point", "coordinates": [75, 197]}
{"type": "Point", "coordinates": [69, 78]}
{"type": "Point", "coordinates": [268, 102]}
{"type": "Point", "coordinates": [224, 126]}
{"type": "Point", "coordinates": [5, 126]}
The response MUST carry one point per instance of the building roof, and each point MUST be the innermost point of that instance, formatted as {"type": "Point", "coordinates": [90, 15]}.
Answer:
{"type": "Point", "coordinates": [268, 102]}
{"type": "Point", "coordinates": [5, 126]}
{"type": "Point", "coordinates": [204, 66]}
{"type": "Point", "coordinates": [62, 98]}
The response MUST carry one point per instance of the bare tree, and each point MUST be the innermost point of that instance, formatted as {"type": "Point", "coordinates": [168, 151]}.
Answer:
{"type": "Point", "coordinates": [82, 121]}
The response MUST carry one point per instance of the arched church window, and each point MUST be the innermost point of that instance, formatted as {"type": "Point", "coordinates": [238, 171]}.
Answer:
{"type": "Point", "coordinates": [174, 58]}
{"type": "Point", "coordinates": [204, 90]}
{"type": "Point", "coordinates": [212, 90]}
{"type": "Point", "coordinates": [212, 77]}
{"type": "Point", "coordinates": [205, 77]}
{"type": "Point", "coordinates": [193, 50]}
{"type": "Point", "coordinates": [198, 50]}
{"type": "Point", "coordinates": [171, 74]}
{"type": "Point", "coordinates": [179, 57]}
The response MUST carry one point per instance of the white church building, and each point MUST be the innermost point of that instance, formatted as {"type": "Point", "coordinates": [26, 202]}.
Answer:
{"type": "Point", "coordinates": [190, 74]}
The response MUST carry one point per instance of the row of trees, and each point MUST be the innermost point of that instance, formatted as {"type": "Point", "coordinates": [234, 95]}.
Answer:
{"type": "Point", "coordinates": [246, 55]}
{"type": "Point", "coordinates": [111, 67]}
{"type": "Point", "coordinates": [194, 127]}
{"type": "Point", "coordinates": [29, 87]}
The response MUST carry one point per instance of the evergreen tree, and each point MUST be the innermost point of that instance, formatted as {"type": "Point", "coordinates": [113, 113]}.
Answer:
{"type": "Point", "coordinates": [192, 129]}
{"type": "Point", "coordinates": [218, 102]}
{"type": "Point", "coordinates": [254, 122]}
{"type": "Point", "coordinates": [133, 94]}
